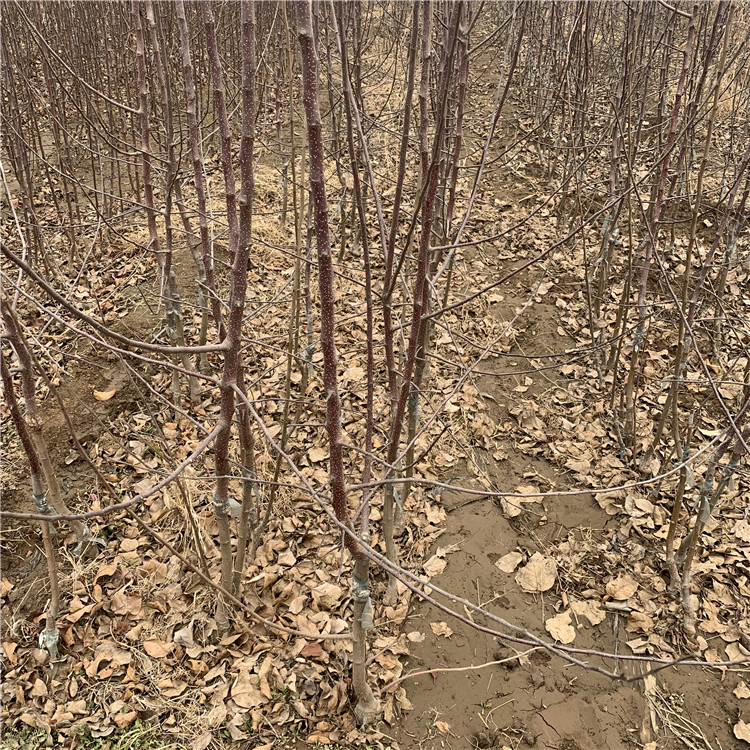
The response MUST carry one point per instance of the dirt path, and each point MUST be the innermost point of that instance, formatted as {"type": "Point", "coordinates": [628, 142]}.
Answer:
{"type": "Point", "coordinates": [539, 701]}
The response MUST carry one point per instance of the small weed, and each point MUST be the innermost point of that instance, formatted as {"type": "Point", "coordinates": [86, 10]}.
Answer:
{"type": "Point", "coordinates": [24, 739]}
{"type": "Point", "coordinates": [283, 692]}
{"type": "Point", "coordinates": [138, 736]}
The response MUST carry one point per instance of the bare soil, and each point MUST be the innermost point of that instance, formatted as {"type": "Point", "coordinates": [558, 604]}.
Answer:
{"type": "Point", "coordinates": [539, 701]}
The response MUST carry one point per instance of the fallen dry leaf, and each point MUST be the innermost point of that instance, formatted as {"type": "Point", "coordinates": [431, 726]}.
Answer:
{"type": "Point", "coordinates": [312, 651]}
{"type": "Point", "coordinates": [560, 627]}
{"type": "Point", "coordinates": [265, 687]}
{"type": "Point", "coordinates": [172, 688]}
{"type": "Point", "coordinates": [592, 611]}
{"type": "Point", "coordinates": [531, 492]}
{"type": "Point", "coordinates": [39, 690]}
{"type": "Point", "coordinates": [435, 566]}
{"type": "Point", "coordinates": [742, 690]}
{"type": "Point", "coordinates": [639, 621]}
{"type": "Point", "coordinates": [538, 574]}
{"type": "Point", "coordinates": [9, 647]}
{"type": "Point", "coordinates": [622, 587]}
{"type": "Point", "coordinates": [327, 595]}
{"type": "Point", "coordinates": [217, 715]}
{"type": "Point", "coordinates": [245, 691]}
{"type": "Point", "coordinates": [742, 731]}
{"type": "Point", "coordinates": [105, 570]}
{"type": "Point", "coordinates": [511, 507]}
{"type": "Point", "coordinates": [742, 530]}
{"type": "Point", "coordinates": [320, 738]}
{"type": "Point", "coordinates": [355, 373]}
{"type": "Point", "coordinates": [580, 466]}
{"type": "Point", "coordinates": [403, 702]}
{"type": "Point", "coordinates": [108, 652]}
{"type": "Point", "coordinates": [203, 741]}
{"type": "Point", "coordinates": [184, 636]}
{"type": "Point", "coordinates": [157, 649]}
{"type": "Point", "coordinates": [125, 604]}
{"type": "Point", "coordinates": [317, 454]}
{"type": "Point", "coordinates": [104, 395]}
{"type": "Point", "coordinates": [441, 628]}
{"type": "Point", "coordinates": [124, 720]}
{"type": "Point", "coordinates": [297, 604]}
{"type": "Point", "coordinates": [508, 563]}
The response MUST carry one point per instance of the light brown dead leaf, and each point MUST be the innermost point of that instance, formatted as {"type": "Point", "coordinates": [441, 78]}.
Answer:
{"type": "Point", "coordinates": [105, 570]}
{"type": "Point", "coordinates": [403, 702]}
{"type": "Point", "coordinates": [327, 595]}
{"type": "Point", "coordinates": [317, 454]}
{"type": "Point", "coordinates": [126, 604]}
{"type": "Point", "coordinates": [354, 374]}
{"type": "Point", "coordinates": [104, 395]}
{"type": "Point", "coordinates": [287, 559]}
{"type": "Point", "coordinates": [508, 563]}
{"type": "Point", "coordinates": [580, 466]}
{"type": "Point", "coordinates": [560, 627]}
{"type": "Point", "coordinates": [742, 530]}
{"type": "Point", "coordinates": [140, 488]}
{"type": "Point", "coordinates": [435, 566]}
{"type": "Point", "coordinates": [441, 628]}
{"type": "Point", "coordinates": [742, 731]}
{"type": "Point", "coordinates": [107, 652]}
{"type": "Point", "coordinates": [639, 622]}
{"type": "Point", "coordinates": [531, 491]}
{"type": "Point", "coordinates": [592, 611]}
{"type": "Point", "coordinates": [297, 604]}
{"type": "Point", "coordinates": [172, 688]}
{"type": "Point", "coordinates": [318, 738]}
{"type": "Point", "coordinates": [511, 507]}
{"type": "Point", "coordinates": [245, 692]}
{"type": "Point", "coordinates": [157, 649]}
{"type": "Point", "coordinates": [734, 652]}
{"type": "Point", "coordinates": [123, 720]}
{"type": "Point", "coordinates": [622, 587]}
{"type": "Point", "coordinates": [203, 741]}
{"type": "Point", "coordinates": [265, 668]}
{"type": "Point", "coordinates": [217, 715]}
{"type": "Point", "coordinates": [129, 545]}
{"type": "Point", "coordinates": [184, 636]}
{"type": "Point", "coordinates": [9, 648]}
{"type": "Point", "coordinates": [538, 574]}
{"type": "Point", "coordinates": [39, 690]}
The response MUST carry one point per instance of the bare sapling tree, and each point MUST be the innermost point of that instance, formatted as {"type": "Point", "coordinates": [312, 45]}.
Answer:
{"type": "Point", "coordinates": [49, 637]}
{"type": "Point", "coordinates": [367, 705]}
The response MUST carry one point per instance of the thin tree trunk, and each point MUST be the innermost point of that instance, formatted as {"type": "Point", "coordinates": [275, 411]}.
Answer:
{"type": "Point", "coordinates": [367, 706]}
